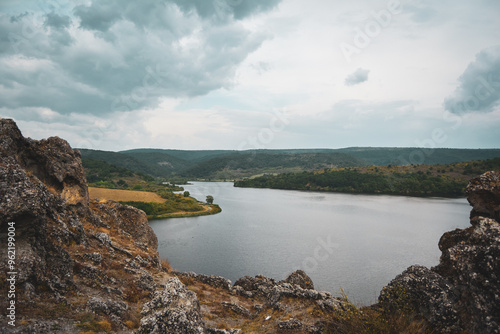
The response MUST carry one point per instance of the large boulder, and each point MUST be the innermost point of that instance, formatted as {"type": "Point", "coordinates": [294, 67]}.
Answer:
{"type": "Point", "coordinates": [483, 193]}
{"type": "Point", "coordinates": [52, 161]}
{"type": "Point", "coordinates": [173, 310]}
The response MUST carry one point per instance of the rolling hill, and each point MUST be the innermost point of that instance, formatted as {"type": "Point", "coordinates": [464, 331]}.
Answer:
{"type": "Point", "coordinates": [230, 164]}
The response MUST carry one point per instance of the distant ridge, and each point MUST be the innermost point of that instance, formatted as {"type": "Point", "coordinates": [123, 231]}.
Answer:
{"type": "Point", "coordinates": [232, 164]}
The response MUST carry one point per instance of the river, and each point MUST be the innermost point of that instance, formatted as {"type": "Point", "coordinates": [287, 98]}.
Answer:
{"type": "Point", "coordinates": [355, 242]}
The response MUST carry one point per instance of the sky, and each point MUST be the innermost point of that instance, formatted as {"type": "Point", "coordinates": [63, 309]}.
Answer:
{"type": "Point", "coordinates": [246, 74]}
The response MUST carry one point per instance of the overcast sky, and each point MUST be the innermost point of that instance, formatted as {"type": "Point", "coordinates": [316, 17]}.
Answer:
{"type": "Point", "coordinates": [244, 74]}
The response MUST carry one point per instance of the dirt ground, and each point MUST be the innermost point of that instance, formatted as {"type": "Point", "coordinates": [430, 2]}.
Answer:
{"type": "Point", "coordinates": [124, 195]}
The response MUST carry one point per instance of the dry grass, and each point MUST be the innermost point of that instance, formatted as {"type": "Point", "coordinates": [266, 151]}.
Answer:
{"type": "Point", "coordinates": [124, 195]}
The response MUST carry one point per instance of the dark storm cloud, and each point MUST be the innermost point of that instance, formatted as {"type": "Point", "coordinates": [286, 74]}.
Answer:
{"type": "Point", "coordinates": [57, 21]}
{"type": "Point", "coordinates": [122, 55]}
{"type": "Point", "coordinates": [220, 9]}
{"type": "Point", "coordinates": [99, 15]}
{"type": "Point", "coordinates": [479, 89]}
{"type": "Point", "coordinates": [357, 77]}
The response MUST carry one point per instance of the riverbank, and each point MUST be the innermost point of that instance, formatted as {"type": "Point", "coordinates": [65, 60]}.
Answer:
{"type": "Point", "coordinates": [211, 209]}
{"type": "Point", "coordinates": [156, 206]}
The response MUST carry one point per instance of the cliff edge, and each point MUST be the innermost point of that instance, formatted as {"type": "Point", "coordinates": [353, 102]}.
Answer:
{"type": "Point", "coordinates": [71, 257]}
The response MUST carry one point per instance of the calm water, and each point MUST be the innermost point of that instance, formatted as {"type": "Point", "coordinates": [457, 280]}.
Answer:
{"type": "Point", "coordinates": [355, 242]}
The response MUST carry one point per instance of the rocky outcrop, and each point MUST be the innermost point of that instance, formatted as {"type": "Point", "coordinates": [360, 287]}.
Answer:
{"type": "Point", "coordinates": [211, 280]}
{"type": "Point", "coordinates": [274, 291]}
{"type": "Point", "coordinates": [173, 310]}
{"type": "Point", "coordinates": [300, 278]}
{"type": "Point", "coordinates": [462, 293]}
{"type": "Point", "coordinates": [70, 251]}
{"type": "Point", "coordinates": [483, 193]}
{"type": "Point", "coordinates": [51, 161]}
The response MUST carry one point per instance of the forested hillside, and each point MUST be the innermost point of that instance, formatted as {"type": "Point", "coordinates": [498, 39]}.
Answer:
{"type": "Point", "coordinates": [412, 180]}
{"type": "Point", "coordinates": [230, 165]}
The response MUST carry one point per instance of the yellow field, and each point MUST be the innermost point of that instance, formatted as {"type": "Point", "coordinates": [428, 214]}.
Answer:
{"type": "Point", "coordinates": [124, 195]}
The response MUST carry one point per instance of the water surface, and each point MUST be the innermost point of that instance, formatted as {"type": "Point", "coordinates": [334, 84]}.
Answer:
{"type": "Point", "coordinates": [355, 242]}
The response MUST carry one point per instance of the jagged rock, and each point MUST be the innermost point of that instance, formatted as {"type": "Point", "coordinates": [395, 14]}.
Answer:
{"type": "Point", "coordinates": [422, 291]}
{"type": "Point", "coordinates": [462, 293]}
{"type": "Point", "coordinates": [223, 331]}
{"type": "Point", "coordinates": [51, 161]}
{"type": "Point", "coordinates": [483, 193]}
{"type": "Point", "coordinates": [130, 220]}
{"type": "Point", "coordinates": [94, 257]}
{"type": "Point", "coordinates": [104, 238]}
{"type": "Point", "coordinates": [142, 262]}
{"type": "Point", "coordinates": [146, 282]}
{"type": "Point", "coordinates": [301, 279]}
{"type": "Point", "coordinates": [43, 191]}
{"type": "Point", "coordinates": [274, 291]}
{"type": "Point", "coordinates": [173, 310]}
{"type": "Point", "coordinates": [289, 326]}
{"type": "Point", "coordinates": [238, 309]}
{"type": "Point", "coordinates": [212, 280]}
{"type": "Point", "coordinates": [108, 307]}
{"type": "Point", "coordinates": [258, 284]}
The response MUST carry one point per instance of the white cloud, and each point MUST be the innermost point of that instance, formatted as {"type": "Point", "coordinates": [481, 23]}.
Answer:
{"type": "Point", "coordinates": [479, 89]}
{"type": "Point", "coordinates": [211, 74]}
{"type": "Point", "coordinates": [123, 55]}
{"type": "Point", "coordinates": [357, 77]}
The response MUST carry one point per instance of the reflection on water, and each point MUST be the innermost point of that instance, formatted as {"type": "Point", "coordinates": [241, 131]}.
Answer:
{"type": "Point", "coordinates": [355, 242]}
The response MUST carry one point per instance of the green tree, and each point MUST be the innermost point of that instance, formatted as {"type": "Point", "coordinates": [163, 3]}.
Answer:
{"type": "Point", "coordinates": [186, 194]}
{"type": "Point", "coordinates": [210, 199]}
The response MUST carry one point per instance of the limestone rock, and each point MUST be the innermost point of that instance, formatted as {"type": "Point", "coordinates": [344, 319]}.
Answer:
{"type": "Point", "coordinates": [212, 280]}
{"type": "Point", "coordinates": [51, 161]}
{"type": "Point", "coordinates": [290, 326]}
{"type": "Point", "coordinates": [130, 220]}
{"type": "Point", "coordinates": [108, 307]}
{"type": "Point", "coordinates": [483, 193]}
{"type": "Point", "coordinates": [238, 309]}
{"type": "Point", "coordinates": [43, 191]}
{"type": "Point", "coordinates": [173, 310]}
{"type": "Point", "coordinates": [223, 331]}
{"type": "Point", "coordinates": [422, 291]}
{"type": "Point", "coordinates": [301, 279]}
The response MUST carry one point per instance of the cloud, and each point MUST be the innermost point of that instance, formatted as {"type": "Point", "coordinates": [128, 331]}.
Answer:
{"type": "Point", "coordinates": [221, 9]}
{"type": "Point", "coordinates": [357, 77]}
{"type": "Point", "coordinates": [479, 89]}
{"type": "Point", "coordinates": [57, 21]}
{"type": "Point", "coordinates": [123, 55]}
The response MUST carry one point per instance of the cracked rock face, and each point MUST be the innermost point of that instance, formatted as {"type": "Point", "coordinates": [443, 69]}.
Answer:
{"type": "Point", "coordinates": [51, 161]}
{"type": "Point", "coordinates": [43, 191]}
{"type": "Point", "coordinates": [462, 293]}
